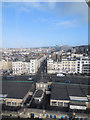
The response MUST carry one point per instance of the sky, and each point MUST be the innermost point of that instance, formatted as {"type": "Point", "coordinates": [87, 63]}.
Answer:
{"type": "Point", "coordinates": [39, 24]}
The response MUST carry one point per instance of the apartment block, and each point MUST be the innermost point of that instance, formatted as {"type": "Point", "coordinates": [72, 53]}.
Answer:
{"type": "Point", "coordinates": [72, 97]}
{"type": "Point", "coordinates": [71, 65]}
{"type": "Point", "coordinates": [65, 66]}
{"type": "Point", "coordinates": [20, 67]}
{"type": "Point", "coordinates": [5, 64]}
{"type": "Point", "coordinates": [83, 65]}
{"type": "Point", "coordinates": [30, 67]}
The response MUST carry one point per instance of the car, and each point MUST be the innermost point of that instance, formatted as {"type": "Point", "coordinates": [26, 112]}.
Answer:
{"type": "Point", "coordinates": [29, 78]}
{"type": "Point", "coordinates": [60, 75]}
{"type": "Point", "coordinates": [67, 81]}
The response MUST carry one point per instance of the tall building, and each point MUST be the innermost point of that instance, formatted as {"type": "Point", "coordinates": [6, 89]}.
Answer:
{"type": "Point", "coordinates": [65, 66]}
{"type": "Point", "coordinates": [76, 65]}
{"type": "Point", "coordinates": [31, 67]}
{"type": "Point", "coordinates": [83, 65]}
{"type": "Point", "coordinates": [20, 67]}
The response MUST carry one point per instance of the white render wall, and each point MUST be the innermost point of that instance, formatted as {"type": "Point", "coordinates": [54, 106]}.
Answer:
{"type": "Point", "coordinates": [84, 61]}
{"type": "Point", "coordinates": [64, 66]}
{"type": "Point", "coordinates": [20, 67]}
{"type": "Point", "coordinates": [69, 66]}
{"type": "Point", "coordinates": [31, 67]}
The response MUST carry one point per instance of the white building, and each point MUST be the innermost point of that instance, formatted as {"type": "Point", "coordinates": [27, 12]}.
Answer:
{"type": "Point", "coordinates": [31, 67]}
{"type": "Point", "coordinates": [83, 65]}
{"type": "Point", "coordinates": [20, 67]}
{"type": "Point", "coordinates": [80, 65]}
{"type": "Point", "coordinates": [65, 66]}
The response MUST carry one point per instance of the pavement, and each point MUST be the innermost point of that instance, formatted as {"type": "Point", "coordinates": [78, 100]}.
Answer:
{"type": "Point", "coordinates": [38, 113]}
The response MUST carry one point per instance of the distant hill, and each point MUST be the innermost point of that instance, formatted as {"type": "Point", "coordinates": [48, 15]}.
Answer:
{"type": "Point", "coordinates": [63, 47]}
{"type": "Point", "coordinates": [82, 48]}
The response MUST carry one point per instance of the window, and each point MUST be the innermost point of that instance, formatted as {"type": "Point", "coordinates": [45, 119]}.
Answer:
{"type": "Point", "coordinates": [54, 103]}
{"type": "Point", "coordinates": [19, 104]}
{"type": "Point", "coordinates": [65, 104]}
{"type": "Point", "coordinates": [8, 103]}
{"type": "Point", "coordinates": [1, 101]}
{"type": "Point", "coordinates": [60, 103]}
{"type": "Point", "coordinates": [14, 103]}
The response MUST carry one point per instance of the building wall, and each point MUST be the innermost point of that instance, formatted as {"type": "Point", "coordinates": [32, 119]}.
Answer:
{"type": "Point", "coordinates": [5, 65]}
{"type": "Point", "coordinates": [65, 103]}
{"type": "Point", "coordinates": [64, 66]}
{"type": "Point", "coordinates": [59, 103]}
{"type": "Point", "coordinates": [83, 65]}
{"type": "Point", "coordinates": [13, 102]}
{"type": "Point", "coordinates": [31, 67]}
{"type": "Point", "coordinates": [41, 85]}
{"type": "Point", "coordinates": [69, 66]}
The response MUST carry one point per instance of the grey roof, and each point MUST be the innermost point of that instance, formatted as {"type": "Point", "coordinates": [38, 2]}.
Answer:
{"type": "Point", "coordinates": [63, 92]}
{"type": "Point", "coordinates": [38, 93]}
{"type": "Point", "coordinates": [15, 89]}
{"type": "Point", "coordinates": [85, 90]}
{"type": "Point", "coordinates": [75, 90]}
{"type": "Point", "coordinates": [78, 103]}
{"type": "Point", "coordinates": [59, 92]}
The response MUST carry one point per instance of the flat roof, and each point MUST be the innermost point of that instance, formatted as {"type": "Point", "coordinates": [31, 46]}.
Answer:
{"type": "Point", "coordinates": [59, 92]}
{"type": "Point", "coordinates": [78, 103]}
{"type": "Point", "coordinates": [75, 90]}
{"type": "Point", "coordinates": [85, 89]}
{"type": "Point", "coordinates": [16, 90]}
{"type": "Point", "coordinates": [63, 92]}
{"type": "Point", "coordinates": [38, 93]}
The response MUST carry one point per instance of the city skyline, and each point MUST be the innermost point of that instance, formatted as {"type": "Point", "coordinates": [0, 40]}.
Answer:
{"type": "Point", "coordinates": [44, 24]}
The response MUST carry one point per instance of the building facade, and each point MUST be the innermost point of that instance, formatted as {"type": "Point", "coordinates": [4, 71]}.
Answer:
{"type": "Point", "coordinates": [31, 67]}
{"type": "Point", "coordinates": [20, 67]}
{"type": "Point", "coordinates": [65, 66]}
{"type": "Point", "coordinates": [5, 65]}
{"type": "Point", "coordinates": [83, 65]}
{"type": "Point", "coordinates": [77, 65]}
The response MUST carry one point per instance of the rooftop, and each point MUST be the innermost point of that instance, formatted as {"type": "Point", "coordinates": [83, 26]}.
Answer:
{"type": "Point", "coordinates": [38, 93]}
{"type": "Point", "coordinates": [59, 92]}
{"type": "Point", "coordinates": [75, 91]}
{"type": "Point", "coordinates": [63, 92]}
{"type": "Point", "coordinates": [16, 89]}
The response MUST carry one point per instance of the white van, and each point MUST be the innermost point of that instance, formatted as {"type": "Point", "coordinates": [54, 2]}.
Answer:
{"type": "Point", "coordinates": [60, 75]}
{"type": "Point", "coordinates": [30, 78]}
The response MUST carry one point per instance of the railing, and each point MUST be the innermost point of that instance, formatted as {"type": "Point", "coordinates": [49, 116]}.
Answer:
{"type": "Point", "coordinates": [26, 96]}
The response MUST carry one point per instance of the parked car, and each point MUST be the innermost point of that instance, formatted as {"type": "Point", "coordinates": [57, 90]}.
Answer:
{"type": "Point", "coordinates": [29, 78]}
{"type": "Point", "coordinates": [60, 75]}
